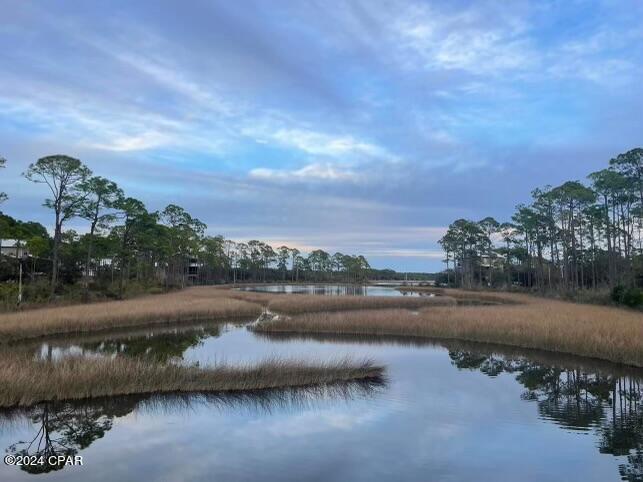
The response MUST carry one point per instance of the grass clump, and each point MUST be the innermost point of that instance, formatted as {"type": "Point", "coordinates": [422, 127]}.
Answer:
{"type": "Point", "coordinates": [26, 381]}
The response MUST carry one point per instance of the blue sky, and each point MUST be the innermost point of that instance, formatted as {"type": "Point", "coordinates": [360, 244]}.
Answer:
{"type": "Point", "coordinates": [359, 126]}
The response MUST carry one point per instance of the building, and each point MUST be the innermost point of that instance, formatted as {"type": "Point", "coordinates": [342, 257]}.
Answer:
{"type": "Point", "coordinates": [14, 248]}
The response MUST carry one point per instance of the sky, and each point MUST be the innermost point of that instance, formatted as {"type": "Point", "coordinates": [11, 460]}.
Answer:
{"type": "Point", "coordinates": [364, 127]}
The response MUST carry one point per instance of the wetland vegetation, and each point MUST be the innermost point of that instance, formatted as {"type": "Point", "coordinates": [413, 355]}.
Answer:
{"type": "Point", "coordinates": [593, 331]}
{"type": "Point", "coordinates": [26, 381]}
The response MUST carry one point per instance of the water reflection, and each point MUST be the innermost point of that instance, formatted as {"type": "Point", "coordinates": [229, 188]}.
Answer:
{"type": "Point", "coordinates": [577, 400]}
{"type": "Point", "coordinates": [444, 399]}
{"type": "Point", "coordinates": [162, 344]}
{"type": "Point", "coordinates": [67, 428]}
{"type": "Point", "coordinates": [334, 290]}
{"type": "Point", "coordinates": [577, 394]}
{"type": "Point", "coordinates": [63, 429]}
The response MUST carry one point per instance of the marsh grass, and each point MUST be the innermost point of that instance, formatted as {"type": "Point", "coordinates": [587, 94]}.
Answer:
{"type": "Point", "coordinates": [190, 305]}
{"type": "Point", "coordinates": [295, 304]}
{"type": "Point", "coordinates": [473, 296]}
{"type": "Point", "coordinates": [592, 331]}
{"type": "Point", "coordinates": [595, 331]}
{"type": "Point", "coordinates": [259, 298]}
{"type": "Point", "coordinates": [26, 380]}
{"type": "Point", "coordinates": [193, 304]}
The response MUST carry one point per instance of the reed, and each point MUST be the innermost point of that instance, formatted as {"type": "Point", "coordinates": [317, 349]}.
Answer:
{"type": "Point", "coordinates": [586, 330]}
{"type": "Point", "coordinates": [192, 304]}
{"type": "Point", "coordinates": [26, 381]}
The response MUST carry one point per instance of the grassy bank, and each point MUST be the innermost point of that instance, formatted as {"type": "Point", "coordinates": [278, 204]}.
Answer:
{"type": "Point", "coordinates": [593, 331]}
{"type": "Point", "coordinates": [26, 381]}
{"type": "Point", "coordinates": [199, 303]}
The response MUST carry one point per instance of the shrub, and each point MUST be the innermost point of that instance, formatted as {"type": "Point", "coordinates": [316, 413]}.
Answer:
{"type": "Point", "coordinates": [631, 296]}
{"type": "Point", "coordinates": [617, 293]}
{"type": "Point", "coordinates": [8, 295]}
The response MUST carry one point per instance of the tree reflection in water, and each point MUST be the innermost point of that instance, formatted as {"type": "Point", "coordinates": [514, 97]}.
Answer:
{"type": "Point", "coordinates": [162, 347]}
{"type": "Point", "coordinates": [68, 428]}
{"type": "Point", "coordinates": [577, 400]}
{"type": "Point", "coordinates": [162, 344]}
{"type": "Point", "coordinates": [64, 429]}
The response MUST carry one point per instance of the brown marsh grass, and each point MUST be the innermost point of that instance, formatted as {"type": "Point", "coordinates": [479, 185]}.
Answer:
{"type": "Point", "coordinates": [26, 381]}
{"type": "Point", "coordinates": [586, 330]}
{"type": "Point", "coordinates": [496, 297]}
{"type": "Point", "coordinates": [192, 304]}
{"type": "Point", "coordinates": [254, 296]}
{"type": "Point", "coordinates": [295, 304]}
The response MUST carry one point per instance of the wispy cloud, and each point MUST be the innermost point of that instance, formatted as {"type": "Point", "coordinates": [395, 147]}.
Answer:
{"type": "Point", "coordinates": [464, 40]}
{"type": "Point", "coordinates": [323, 144]}
{"type": "Point", "coordinates": [310, 172]}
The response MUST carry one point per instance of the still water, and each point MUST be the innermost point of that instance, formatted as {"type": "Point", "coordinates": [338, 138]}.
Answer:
{"type": "Point", "coordinates": [333, 290]}
{"type": "Point", "coordinates": [447, 412]}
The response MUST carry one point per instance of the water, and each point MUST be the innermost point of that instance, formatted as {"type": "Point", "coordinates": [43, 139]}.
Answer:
{"type": "Point", "coordinates": [448, 411]}
{"type": "Point", "coordinates": [334, 290]}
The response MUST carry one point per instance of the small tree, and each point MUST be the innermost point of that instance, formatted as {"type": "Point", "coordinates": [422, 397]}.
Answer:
{"type": "Point", "coordinates": [283, 254]}
{"type": "Point", "coordinates": [630, 165]}
{"type": "Point", "coordinates": [489, 227]}
{"type": "Point", "coordinates": [102, 197]}
{"type": "Point", "coordinates": [64, 176]}
{"type": "Point", "coordinates": [37, 247]}
{"type": "Point", "coordinates": [135, 219]}
{"type": "Point", "coordinates": [185, 232]}
{"type": "Point", "coordinates": [294, 256]}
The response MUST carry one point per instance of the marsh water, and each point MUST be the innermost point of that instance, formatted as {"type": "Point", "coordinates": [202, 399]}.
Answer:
{"type": "Point", "coordinates": [446, 411]}
{"type": "Point", "coordinates": [333, 290]}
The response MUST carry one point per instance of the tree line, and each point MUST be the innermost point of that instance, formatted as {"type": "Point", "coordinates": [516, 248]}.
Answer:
{"type": "Point", "coordinates": [126, 244]}
{"type": "Point", "coordinates": [572, 237]}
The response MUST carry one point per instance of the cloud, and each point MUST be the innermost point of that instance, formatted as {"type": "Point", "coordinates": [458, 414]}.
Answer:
{"type": "Point", "coordinates": [407, 253]}
{"type": "Point", "coordinates": [464, 40]}
{"type": "Point", "coordinates": [324, 144]}
{"type": "Point", "coordinates": [310, 172]}
{"type": "Point", "coordinates": [352, 128]}
{"type": "Point", "coordinates": [146, 140]}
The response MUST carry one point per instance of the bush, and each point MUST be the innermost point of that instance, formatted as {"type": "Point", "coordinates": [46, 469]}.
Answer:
{"type": "Point", "coordinates": [8, 296]}
{"type": "Point", "coordinates": [631, 296]}
{"type": "Point", "coordinates": [617, 293]}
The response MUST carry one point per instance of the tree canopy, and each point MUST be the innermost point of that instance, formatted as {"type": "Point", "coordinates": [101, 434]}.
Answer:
{"type": "Point", "coordinates": [573, 236]}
